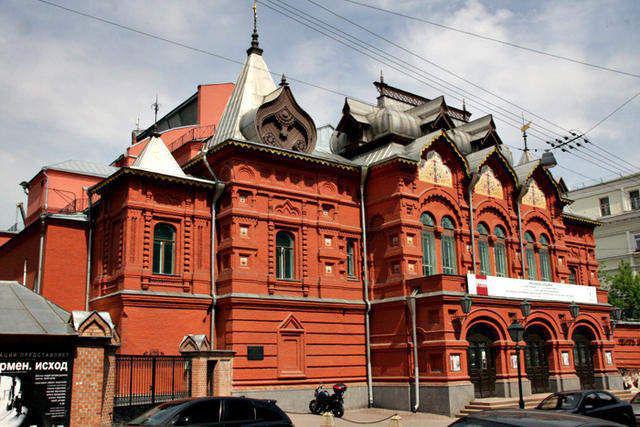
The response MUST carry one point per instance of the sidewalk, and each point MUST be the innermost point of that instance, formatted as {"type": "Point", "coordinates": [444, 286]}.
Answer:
{"type": "Point", "coordinates": [409, 419]}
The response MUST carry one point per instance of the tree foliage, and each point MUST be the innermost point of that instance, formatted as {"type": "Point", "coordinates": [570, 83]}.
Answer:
{"type": "Point", "coordinates": [624, 290]}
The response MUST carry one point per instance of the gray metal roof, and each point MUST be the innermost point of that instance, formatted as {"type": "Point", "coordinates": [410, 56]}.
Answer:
{"type": "Point", "coordinates": [23, 312]}
{"type": "Point", "coordinates": [524, 170]}
{"type": "Point", "coordinates": [83, 167]}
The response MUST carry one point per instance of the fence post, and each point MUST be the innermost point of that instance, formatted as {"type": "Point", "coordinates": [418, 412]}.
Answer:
{"type": "Point", "coordinates": [153, 379]}
{"type": "Point", "coordinates": [395, 421]}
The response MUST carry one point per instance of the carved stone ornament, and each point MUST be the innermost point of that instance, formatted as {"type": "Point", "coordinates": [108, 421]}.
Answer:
{"type": "Point", "coordinates": [281, 122]}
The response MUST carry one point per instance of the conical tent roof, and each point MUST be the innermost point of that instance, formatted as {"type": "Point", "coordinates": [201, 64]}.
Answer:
{"type": "Point", "coordinates": [253, 84]}
{"type": "Point", "coordinates": [156, 157]}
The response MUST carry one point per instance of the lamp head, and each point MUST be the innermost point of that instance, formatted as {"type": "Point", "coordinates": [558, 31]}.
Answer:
{"type": "Point", "coordinates": [465, 304]}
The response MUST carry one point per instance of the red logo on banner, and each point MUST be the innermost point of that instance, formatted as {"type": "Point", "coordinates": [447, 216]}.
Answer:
{"type": "Point", "coordinates": [481, 285]}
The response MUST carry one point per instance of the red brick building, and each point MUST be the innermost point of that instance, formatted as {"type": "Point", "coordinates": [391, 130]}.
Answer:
{"type": "Point", "coordinates": [322, 255]}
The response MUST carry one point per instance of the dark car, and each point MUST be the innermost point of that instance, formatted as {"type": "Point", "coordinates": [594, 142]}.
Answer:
{"type": "Point", "coordinates": [635, 404]}
{"type": "Point", "coordinates": [215, 412]}
{"type": "Point", "coordinates": [592, 403]}
{"type": "Point", "coordinates": [529, 418]}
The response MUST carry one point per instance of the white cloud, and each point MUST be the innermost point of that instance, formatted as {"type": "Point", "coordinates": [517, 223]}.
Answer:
{"type": "Point", "coordinates": [72, 87]}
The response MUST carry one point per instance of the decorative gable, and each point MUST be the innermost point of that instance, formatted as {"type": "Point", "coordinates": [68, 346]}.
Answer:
{"type": "Point", "coordinates": [534, 196]}
{"type": "Point", "coordinates": [433, 170]}
{"type": "Point", "coordinates": [488, 184]}
{"type": "Point", "coordinates": [281, 122]}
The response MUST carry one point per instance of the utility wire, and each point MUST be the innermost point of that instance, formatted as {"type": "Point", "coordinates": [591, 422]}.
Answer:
{"type": "Point", "coordinates": [192, 48]}
{"type": "Point", "coordinates": [186, 46]}
{"type": "Point", "coordinates": [450, 72]}
{"type": "Point", "coordinates": [493, 39]}
{"type": "Point", "coordinates": [612, 113]}
{"type": "Point", "coordinates": [367, 52]}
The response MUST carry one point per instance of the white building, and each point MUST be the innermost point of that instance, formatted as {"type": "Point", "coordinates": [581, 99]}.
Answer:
{"type": "Point", "coordinates": [616, 204]}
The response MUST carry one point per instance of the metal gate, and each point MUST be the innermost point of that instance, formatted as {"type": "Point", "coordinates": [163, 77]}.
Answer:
{"type": "Point", "coordinates": [143, 380]}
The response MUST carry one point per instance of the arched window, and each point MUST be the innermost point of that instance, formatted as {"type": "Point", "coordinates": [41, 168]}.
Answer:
{"type": "Point", "coordinates": [500, 252]}
{"type": "Point", "coordinates": [284, 256]}
{"type": "Point", "coordinates": [429, 265]}
{"type": "Point", "coordinates": [448, 247]}
{"type": "Point", "coordinates": [532, 268]}
{"type": "Point", "coordinates": [483, 249]}
{"type": "Point", "coordinates": [164, 246]}
{"type": "Point", "coordinates": [351, 258]}
{"type": "Point", "coordinates": [545, 260]}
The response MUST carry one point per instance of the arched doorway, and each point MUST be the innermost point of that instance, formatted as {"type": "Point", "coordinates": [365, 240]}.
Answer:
{"type": "Point", "coordinates": [583, 356]}
{"type": "Point", "coordinates": [536, 359]}
{"type": "Point", "coordinates": [481, 360]}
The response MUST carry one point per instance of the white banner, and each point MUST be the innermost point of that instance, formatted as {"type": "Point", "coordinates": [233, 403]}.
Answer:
{"type": "Point", "coordinates": [529, 289]}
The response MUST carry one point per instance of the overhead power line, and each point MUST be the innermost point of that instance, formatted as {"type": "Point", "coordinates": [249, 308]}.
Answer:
{"type": "Point", "coordinates": [452, 73]}
{"type": "Point", "coordinates": [199, 50]}
{"type": "Point", "coordinates": [371, 52]}
{"type": "Point", "coordinates": [183, 45]}
{"type": "Point", "coordinates": [493, 39]}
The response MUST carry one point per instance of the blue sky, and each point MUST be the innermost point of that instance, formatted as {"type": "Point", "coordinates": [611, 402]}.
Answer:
{"type": "Point", "coordinates": [72, 87]}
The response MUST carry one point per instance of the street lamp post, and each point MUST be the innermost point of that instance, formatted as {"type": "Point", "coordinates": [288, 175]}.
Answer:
{"type": "Point", "coordinates": [516, 331]}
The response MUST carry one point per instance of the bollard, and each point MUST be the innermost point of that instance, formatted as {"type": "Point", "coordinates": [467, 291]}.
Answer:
{"type": "Point", "coordinates": [328, 420]}
{"type": "Point", "coordinates": [395, 421]}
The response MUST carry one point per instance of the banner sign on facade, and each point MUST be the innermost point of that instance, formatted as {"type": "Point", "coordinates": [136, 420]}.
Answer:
{"type": "Point", "coordinates": [530, 289]}
{"type": "Point", "coordinates": [35, 388]}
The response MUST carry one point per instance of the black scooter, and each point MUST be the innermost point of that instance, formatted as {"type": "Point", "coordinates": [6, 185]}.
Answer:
{"type": "Point", "coordinates": [324, 402]}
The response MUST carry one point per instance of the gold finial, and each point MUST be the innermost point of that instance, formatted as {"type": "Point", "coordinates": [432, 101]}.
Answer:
{"type": "Point", "coordinates": [255, 16]}
{"type": "Point", "coordinates": [255, 47]}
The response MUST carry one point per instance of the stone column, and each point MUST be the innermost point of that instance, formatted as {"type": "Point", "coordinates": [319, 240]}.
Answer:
{"type": "Point", "coordinates": [196, 347]}
{"type": "Point", "coordinates": [93, 380]}
{"type": "Point", "coordinates": [506, 374]}
{"type": "Point", "coordinates": [605, 373]}
{"type": "Point", "coordinates": [562, 374]}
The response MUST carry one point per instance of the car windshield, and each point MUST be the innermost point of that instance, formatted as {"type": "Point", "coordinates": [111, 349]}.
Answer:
{"type": "Point", "coordinates": [561, 401]}
{"type": "Point", "coordinates": [156, 415]}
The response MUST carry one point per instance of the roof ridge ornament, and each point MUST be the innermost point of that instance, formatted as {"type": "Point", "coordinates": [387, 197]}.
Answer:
{"type": "Point", "coordinates": [255, 46]}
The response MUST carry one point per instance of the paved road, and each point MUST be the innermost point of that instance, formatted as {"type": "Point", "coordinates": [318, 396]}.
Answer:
{"type": "Point", "coordinates": [409, 419]}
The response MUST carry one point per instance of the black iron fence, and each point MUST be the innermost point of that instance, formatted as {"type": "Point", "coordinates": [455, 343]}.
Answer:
{"type": "Point", "coordinates": [143, 380]}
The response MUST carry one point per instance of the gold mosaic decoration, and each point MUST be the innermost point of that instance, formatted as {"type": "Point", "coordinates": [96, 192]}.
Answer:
{"type": "Point", "coordinates": [488, 184]}
{"type": "Point", "coordinates": [433, 170]}
{"type": "Point", "coordinates": [534, 196]}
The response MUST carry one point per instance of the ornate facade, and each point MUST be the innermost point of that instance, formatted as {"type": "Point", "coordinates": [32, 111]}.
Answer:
{"type": "Point", "coordinates": [349, 254]}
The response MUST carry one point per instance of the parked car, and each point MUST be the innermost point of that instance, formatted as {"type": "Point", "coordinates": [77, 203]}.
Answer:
{"type": "Point", "coordinates": [215, 412]}
{"type": "Point", "coordinates": [593, 403]}
{"type": "Point", "coordinates": [529, 418]}
{"type": "Point", "coordinates": [635, 404]}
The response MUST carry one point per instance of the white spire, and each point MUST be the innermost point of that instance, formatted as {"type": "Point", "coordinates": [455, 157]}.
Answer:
{"type": "Point", "coordinates": [156, 157]}
{"type": "Point", "coordinates": [253, 84]}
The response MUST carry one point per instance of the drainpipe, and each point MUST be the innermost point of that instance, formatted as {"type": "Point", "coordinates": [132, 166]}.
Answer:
{"type": "Point", "coordinates": [38, 285]}
{"type": "Point", "coordinates": [365, 278]}
{"type": "Point", "coordinates": [89, 250]}
{"type": "Point", "coordinates": [520, 237]}
{"type": "Point", "coordinates": [24, 273]}
{"type": "Point", "coordinates": [411, 301]}
{"type": "Point", "coordinates": [216, 195]}
{"type": "Point", "coordinates": [518, 205]}
{"type": "Point", "coordinates": [472, 184]}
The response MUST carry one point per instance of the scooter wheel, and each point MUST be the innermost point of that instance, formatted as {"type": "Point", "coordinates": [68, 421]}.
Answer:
{"type": "Point", "coordinates": [313, 407]}
{"type": "Point", "coordinates": [338, 411]}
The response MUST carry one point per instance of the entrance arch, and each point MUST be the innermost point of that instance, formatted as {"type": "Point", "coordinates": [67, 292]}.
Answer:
{"type": "Point", "coordinates": [536, 358]}
{"type": "Point", "coordinates": [481, 360]}
{"type": "Point", "coordinates": [583, 356]}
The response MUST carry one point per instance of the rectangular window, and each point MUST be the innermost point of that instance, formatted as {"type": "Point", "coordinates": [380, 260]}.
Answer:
{"type": "Point", "coordinates": [532, 268]}
{"type": "Point", "coordinates": [545, 265]}
{"type": "Point", "coordinates": [351, 258]}
{"type": "Point", "coordinates": [636, 238]}
{"type": "Point", "coordinates": [500, 254]}
{"type": "Point", "coordinates": [428, 253]}
{"type": "Point", "coordinates": [634, 198]}
{"type": "Point", "coordinates": [572, 276]}
{"type": "Point", "coordinates": [605, 207]}
{"type": "Point", "coordinates": [448, 254]}
{"type": "Point", "coordinates": [485, 263]}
